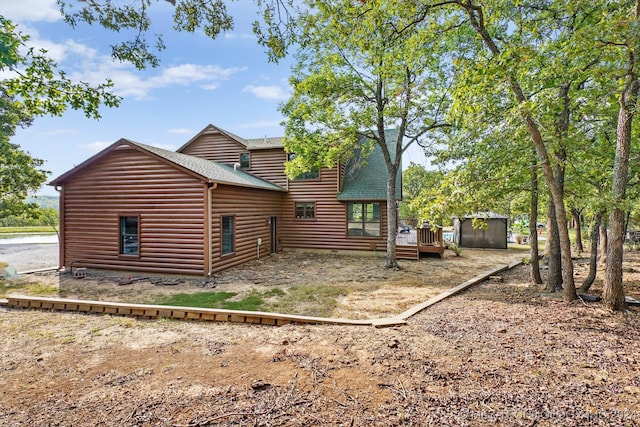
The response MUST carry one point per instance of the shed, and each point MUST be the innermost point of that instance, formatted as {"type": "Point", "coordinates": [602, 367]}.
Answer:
{"type": "Point", "coordinates": [492, 235]}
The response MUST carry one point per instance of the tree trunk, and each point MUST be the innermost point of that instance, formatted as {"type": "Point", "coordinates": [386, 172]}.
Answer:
{"type": "Point", "coordinates": [392, 218]}
{"type": "Point", "coordinates": [576, 219]}
{"type": "Point", "coordinates": [593, 258]}
{"type": "Point", "coordinates": [534, 255]}
{"type": "Point", "coordinates": [604, 243]}
{"type": "Point", "coordinates": [613, 293]}
{"type": "Point", "coordinates": [554, 258]}
{"type": "Point", "coordinates": [477, 21]}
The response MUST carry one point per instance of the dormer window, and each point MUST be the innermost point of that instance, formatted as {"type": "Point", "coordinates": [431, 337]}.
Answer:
{"type": "Point", "coordinates": [245, 161]}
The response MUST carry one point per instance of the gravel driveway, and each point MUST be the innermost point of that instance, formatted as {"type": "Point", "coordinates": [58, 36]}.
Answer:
{"type": "Point", "coordinates": [27, 257]}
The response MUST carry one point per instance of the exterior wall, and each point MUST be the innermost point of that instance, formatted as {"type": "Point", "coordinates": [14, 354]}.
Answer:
{"type": "Point", "coordinates": [252, 209]}
{"type": "Point", "coordinates": [266, 163]}
{"type": "Point", "coordinates": [217, 147]}
{"type": "Point", "coordinates": [329, 229]}
{"type": "Point", "coordinates": [169, 203]}
{"type": "Point", "coordinates": [269, 164]}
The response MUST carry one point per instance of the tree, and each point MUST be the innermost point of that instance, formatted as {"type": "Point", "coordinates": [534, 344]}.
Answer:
{"type": "Point", "coordinates": [362, 70]}
{"type": "Point", "coordinates": [419, 184]}
{"type": "Point", "coordinates": [613, 293]}
{"type": "Point", "coordinates": [539, 54]}
{"type": "Point", "coordinates": [35, 87]}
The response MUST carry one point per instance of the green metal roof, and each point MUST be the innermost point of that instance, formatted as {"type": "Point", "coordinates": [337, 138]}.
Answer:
{"type": "Point", "coordinates": [368, 181]}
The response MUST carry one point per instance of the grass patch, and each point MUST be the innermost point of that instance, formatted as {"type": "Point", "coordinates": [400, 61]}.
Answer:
{"type": "Point", "coordinates": [317, 301]}
{"type": "Point", "coordinates": [34, 229]}
{"type": "Point", "coordinates": [252, 302]}
{"type": "Point", "coordinates": [200, 299]}
{"type": "Point", "coordinates": [33, 289]}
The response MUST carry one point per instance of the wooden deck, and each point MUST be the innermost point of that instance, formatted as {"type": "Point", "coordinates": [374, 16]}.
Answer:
{"type": "Point", "coordinates": [410, 245]}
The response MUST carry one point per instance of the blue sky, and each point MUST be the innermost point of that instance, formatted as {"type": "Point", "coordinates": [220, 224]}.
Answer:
{"type": "Point", "coordinates": [227, 82]}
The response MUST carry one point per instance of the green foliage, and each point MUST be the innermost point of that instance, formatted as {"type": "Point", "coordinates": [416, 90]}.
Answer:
{"type": "Point", "coordinates": [27, 229]}
{"type": "Point", "coordinates": [38, 87]}
{"type": "Point", "coordinates": [33, 87]}
{"type": "Point", "coordinates": [424, 196]}
{"type": "Point", "coordinates": [32, 217]}
{"type": "Point", "coordinates": [140, 43]}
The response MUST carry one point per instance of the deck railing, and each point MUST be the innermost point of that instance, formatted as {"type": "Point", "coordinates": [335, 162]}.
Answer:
{"type": "Point", "coordinates": [430, 237]}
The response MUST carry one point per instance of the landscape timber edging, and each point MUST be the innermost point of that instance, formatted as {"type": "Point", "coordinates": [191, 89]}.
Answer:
{"type": "Point", "coordinates": [222, 315]}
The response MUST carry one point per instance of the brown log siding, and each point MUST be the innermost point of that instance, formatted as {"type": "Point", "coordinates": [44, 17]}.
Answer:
{"type": "Point", "coordinates": [269, 164]}
{"type": "Point", "coordinates": [329, 229]}
{"type": "Point", "coordinates": [168, 202]}
{"type": "Point", "coordinates": [251, 209]}
{"type": "Point", "coordinates": [217, 147]}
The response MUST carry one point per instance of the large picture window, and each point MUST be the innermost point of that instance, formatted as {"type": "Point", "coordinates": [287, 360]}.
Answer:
{"type": "Point", "coordinates": [363, 219]}
{"type": "Point", "coordinates": [305, 210]}
{"type": "Point", "coordinates": [228, 245]}
{"type": "Point", "coordinates": [129, 235]}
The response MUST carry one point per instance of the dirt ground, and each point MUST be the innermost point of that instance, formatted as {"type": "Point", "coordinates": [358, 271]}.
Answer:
{"type": "Point", "coordinates": [501, 353]}
{"type": "Point", "coordinates": [368, 289]}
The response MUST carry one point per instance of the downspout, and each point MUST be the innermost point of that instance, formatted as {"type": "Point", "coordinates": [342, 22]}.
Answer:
{"type": "Point", "coordinates": [211, 186]}
{"type": "Point", "coordinates": [61, 234]}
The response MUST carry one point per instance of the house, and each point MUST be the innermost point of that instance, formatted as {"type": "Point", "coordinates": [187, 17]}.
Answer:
{"type": "Point", "coordinates": [217, 202]}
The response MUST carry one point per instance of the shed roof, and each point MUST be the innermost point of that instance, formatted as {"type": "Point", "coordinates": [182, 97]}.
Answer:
{"type": "Point", "coordinates": [484, 215]}
{"type": "Point", "coordinates": [206, 169]}
{"type": "Point", "coordinates": [368, 181]}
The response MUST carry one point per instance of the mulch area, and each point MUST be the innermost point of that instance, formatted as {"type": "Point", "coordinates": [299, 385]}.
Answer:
{"type": "Point", "coordinates": [500, 353]}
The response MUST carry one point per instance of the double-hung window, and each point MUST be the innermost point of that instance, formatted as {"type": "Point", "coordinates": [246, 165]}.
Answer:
{"type": "Point", "coordinates": [227, 234]}
{"type": "Point", "coordinates": [305, 210]}
{"type": "Point", "coordinates": [129, 235]}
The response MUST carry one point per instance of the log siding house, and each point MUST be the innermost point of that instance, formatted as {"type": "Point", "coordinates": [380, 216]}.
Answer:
{"type": "Point", "coordinates": [217, 202]}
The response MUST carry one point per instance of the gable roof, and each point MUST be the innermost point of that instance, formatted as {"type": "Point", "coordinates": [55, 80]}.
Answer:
{"type": "Point", "coordinates": [206, 170]}
{"type": "Point", "coordinates": [214, 129]}
{"type": "Point", "coordinates": [369, 181]}
{"type": "Point", "coordinates": [249, 144]}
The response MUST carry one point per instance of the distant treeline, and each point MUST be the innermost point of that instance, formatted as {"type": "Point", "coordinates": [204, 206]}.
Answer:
{"type": "Point", "coordinates": [43, 213]}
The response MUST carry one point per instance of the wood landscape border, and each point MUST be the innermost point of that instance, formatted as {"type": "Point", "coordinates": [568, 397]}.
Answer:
{"type": "Point", "coordinates": [146, 311]}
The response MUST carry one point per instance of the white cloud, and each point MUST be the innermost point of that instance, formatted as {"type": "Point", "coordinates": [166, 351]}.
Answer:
{"type": "Point", "coordinates": [96, 146]}
{"type": "Point", "coordinates": [129, 82]}
{"type": "Point", "coordinates": [180, 131]}
{"type": "Point", "coordinates": [31, 10]}
{"type": "Point", "coordinates": [240, 36]}
{"type": "Point", "coordinates": [83, 63]}
{"type": "Point", "coordinates": [274, 93]}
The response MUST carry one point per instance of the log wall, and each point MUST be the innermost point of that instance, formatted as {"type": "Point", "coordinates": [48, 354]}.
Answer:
{"type": "Point", "coordinates": [252, 210]}
{"type": "Point", "coordinates": [169, 203]}
{"type": "Point", "coordinates": [329, 229]}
